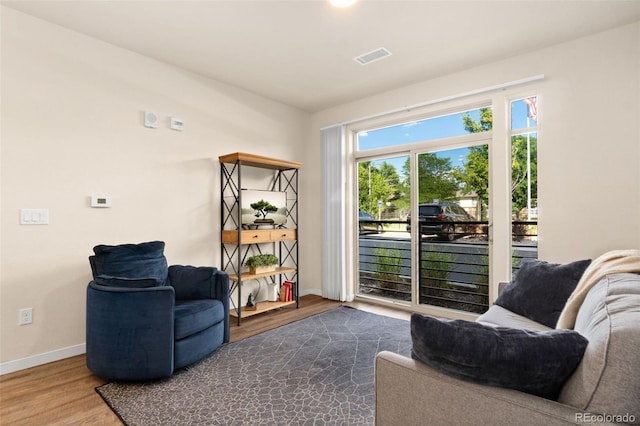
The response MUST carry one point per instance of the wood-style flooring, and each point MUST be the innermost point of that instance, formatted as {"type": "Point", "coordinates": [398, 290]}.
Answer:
{"type": "Point", "coordinates": [63, 392]}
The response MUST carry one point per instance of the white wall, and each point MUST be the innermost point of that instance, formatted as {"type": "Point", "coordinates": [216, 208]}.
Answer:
{"type": "Point", "coordinates": [72, 111]}
{"type": "Point", "coordinates": [589, 144]}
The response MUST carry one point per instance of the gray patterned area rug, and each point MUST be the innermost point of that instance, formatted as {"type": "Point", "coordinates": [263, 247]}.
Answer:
{"type": "Point", "coordinates": [316, 371]}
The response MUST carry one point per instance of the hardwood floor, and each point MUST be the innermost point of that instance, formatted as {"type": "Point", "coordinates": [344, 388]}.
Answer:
{"type": "Point", "coordinates": [59, 393]}
{"type": "Point", "coordinates": [63, 392]}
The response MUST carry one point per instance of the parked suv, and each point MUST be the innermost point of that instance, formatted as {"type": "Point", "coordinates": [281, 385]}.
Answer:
{"type": "Point", "coordinates": [367, 223]}
{"type": "Point", "coordinates": [438, 218]}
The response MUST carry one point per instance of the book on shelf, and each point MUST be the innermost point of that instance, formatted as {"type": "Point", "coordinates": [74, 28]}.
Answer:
{"type": "Point", "coordinates": [283, 293]}
{"type": "Point", "coordinates": [287, 291]}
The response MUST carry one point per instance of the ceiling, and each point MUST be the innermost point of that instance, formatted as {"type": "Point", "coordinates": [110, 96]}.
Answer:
{"type": "Point", "coordinates": [300, 52]}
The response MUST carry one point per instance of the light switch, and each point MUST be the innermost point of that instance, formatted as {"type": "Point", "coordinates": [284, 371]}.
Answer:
{"type": "Point", "coordinates": [34, 216]}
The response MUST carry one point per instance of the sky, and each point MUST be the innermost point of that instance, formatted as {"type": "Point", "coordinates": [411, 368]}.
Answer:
{"type": "Point", "coordinates": [431, 129]}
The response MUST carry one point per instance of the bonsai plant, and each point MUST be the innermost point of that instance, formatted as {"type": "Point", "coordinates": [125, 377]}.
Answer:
{"type": "Point", "coordinates": [263, 208]}
{"type": "Point", "coordinates": [262, 263]}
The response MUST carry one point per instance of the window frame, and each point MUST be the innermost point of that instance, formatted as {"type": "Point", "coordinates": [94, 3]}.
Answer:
{"type": "Point", "coordinates": [499, 141]}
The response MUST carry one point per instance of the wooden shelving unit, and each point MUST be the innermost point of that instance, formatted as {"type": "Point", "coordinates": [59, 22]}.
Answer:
{"type": "Point", "coordinates": [237, 241]}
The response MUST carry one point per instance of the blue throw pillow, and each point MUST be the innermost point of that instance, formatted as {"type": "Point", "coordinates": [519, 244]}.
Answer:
{"type": "Point", "coordinates": [145, 260]}
{"type": "Point", "coordinates": [127, 282]}
{"type": "Point", "coordinates": [540, 290]}
{"type": "Point", "coordinates": [538, 363]}
{"type": "Point", "coordinates": [191, 282]}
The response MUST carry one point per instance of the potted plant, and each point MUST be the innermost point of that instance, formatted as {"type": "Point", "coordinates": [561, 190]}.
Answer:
{"type": "Point", "coordinates": [262, 263]}
{"type": "Point", "coordinates": [263, 208]}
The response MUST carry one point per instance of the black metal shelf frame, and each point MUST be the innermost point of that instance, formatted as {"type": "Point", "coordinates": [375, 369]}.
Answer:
{"type": "Point", "coordinates": [233, 256]}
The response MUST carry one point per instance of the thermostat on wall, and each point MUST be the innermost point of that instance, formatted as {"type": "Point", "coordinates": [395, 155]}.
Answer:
{"type": "Point", "coordinates": [100, 201]}
{"type": "Point", "coordinates": [176, 123]}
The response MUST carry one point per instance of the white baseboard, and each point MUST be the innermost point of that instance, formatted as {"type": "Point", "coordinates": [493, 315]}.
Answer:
{"type": "Point", "coordinates": [317, 292]}
{"type": "Point", "coordinates": [40, 359]}
{"type": "Point", "coordinates": [311, 291]}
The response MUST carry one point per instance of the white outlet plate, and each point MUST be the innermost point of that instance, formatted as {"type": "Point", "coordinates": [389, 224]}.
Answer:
{"type": "Point", "coordinates": [25, 316]}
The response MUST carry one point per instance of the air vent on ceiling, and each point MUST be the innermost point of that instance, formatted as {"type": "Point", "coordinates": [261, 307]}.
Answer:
{"type": "Point", "coordinates": [372, 56]}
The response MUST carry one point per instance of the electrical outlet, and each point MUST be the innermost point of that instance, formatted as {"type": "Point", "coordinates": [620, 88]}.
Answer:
{"type": "Point", "coordinates": [26, 316]}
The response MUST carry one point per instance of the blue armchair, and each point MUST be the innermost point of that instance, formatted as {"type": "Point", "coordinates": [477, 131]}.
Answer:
{"type": "Point", "coordinates": [146, 319]}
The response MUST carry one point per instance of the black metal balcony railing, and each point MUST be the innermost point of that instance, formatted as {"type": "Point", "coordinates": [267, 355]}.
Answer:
{"type": "Point", "coordinates": [385, 268]}
{"type": "Point", "coordinates": [453, 268]}
{"type": "Point", "coordinates": [454, 276]}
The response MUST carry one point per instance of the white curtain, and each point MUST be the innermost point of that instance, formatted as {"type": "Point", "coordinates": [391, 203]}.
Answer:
{"type": "Point", "coordinates": [333, 213]}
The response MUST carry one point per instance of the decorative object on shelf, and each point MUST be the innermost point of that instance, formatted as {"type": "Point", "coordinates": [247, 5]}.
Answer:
{"type": "Point", "coordinates": [263, 208]}
{"type": "Point", "coordinates": [260, 207]}
{"type": "Point", "coordinates": [286, 291]}
{"type": "Point", "coordinates": [260, 263]}
{"type": "Point", "coordinates": [251, 305]}
{"type": "Point", "coordinates": [272, 292]}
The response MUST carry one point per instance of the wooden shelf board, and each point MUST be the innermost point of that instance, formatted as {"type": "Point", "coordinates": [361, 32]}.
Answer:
{"type": "Point", "coordinates": [247, 276]}
{"type": "Point", "coordinates": [259, 161]}
{"type": "Point", "coordinates": [262, 307]}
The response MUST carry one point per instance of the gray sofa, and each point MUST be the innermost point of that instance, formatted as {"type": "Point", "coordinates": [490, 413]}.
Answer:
{"type": "Point", "coordinates": [604, 389]}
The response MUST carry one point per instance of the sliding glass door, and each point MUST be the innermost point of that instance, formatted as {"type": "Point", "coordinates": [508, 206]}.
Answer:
{"type": "Point", "coordinates": [451, 228]}
{"type": "Point", "coordinates": [422, 195]}
{"type": "Point", "coordinates": [384, 245]}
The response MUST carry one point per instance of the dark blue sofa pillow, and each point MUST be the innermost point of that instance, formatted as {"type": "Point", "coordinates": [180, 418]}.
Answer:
{"type": "Point", "coordinates": [191, 282]}
{"type": "Point", "coordinates": [540, 290]}
{"type": "Point", "coordinates": [127, 282]}
{"type": "Point", "coordinates": [538, 363]}
{"type": "Point", "coordinates": [145, 260]}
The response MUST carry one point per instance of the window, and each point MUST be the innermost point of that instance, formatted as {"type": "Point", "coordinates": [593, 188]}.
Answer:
{"type": "Point", "coordinates": [427, 129]}
{"type": "Point", "coordinates": [423, 238]}
{"type": "Point", "coordinates": [524, 179]}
